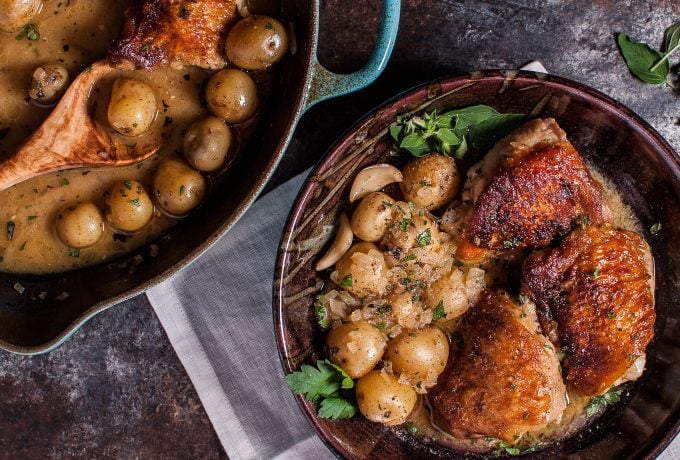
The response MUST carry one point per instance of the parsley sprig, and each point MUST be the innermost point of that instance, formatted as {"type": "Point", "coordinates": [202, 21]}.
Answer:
{"type": "Point", "coordinates": [649, 64]}
{"type": "Point", "coordinates": [323, 385]}
{"type": "Point", "coordinates": [599, 402]}
{"type": "Point", "coordinates": [453, 132]}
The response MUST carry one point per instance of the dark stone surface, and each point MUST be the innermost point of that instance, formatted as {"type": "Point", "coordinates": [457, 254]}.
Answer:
{"type": "Point", "coordinates": [116, 389]}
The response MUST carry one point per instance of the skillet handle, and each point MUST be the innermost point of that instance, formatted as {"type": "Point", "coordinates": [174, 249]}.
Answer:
{"type": "Point", "coordinates": [326, 84]}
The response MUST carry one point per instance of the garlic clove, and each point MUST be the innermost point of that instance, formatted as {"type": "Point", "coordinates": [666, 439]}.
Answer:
{"type": "Point", "coordinates": [373, 178]}
{"type": "Point", "coordinates": [341, 243]}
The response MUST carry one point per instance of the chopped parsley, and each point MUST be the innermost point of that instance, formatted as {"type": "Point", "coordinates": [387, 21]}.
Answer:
{"type": "Point", "coordinates": [509, 449]}
{"type": "Point", "coordinates": [74, 252]}
{"type": "Point", "coordinates": [438, 312]}
{"type": "Point", "coordinates": [269, 26]}
{"type": "Point", "coordinates": [321, 314]}
{"type": "Point", "coordinates": [459, 263]}
{"type": "Point", "coordinates": [29, 32]}
{"type": "Point", "coordinates": [403, 224]}
{"type": "Point", "coordinates": [596, 272]}
{"type": "Point", "coordinates": [182, 189]}
{"type": "Point", "coordinates": [64, 181]}
{"type": "Point", "coordinates": [411, 428]}
{"type": "Point", "coordinates": [512, 386]}
{"type": "Point", "coordinates": [10, 230]}
{"type": "Point", "coordinates": [136, 202]}
{"type": "Point", "coordinates": [128, 184]}
{"type": "Point", "coordinates": [409, 257]}
{"type": "Point", "coordinates": [599, 402]}
{"type": "Point", "coordinates": [611, 315]}
{"type": "Point", "coordinates": [347, 280]}
{"type": "Point", "coordinates": [424, 238]}
{"type": "Point", "coordinates": [380, 325]}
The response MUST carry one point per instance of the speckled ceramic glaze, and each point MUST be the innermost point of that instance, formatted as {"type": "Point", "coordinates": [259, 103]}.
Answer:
{"type": "Point", "coordinates": [31, 323]}
{"type": "Point", "coordinates": [641, 164]}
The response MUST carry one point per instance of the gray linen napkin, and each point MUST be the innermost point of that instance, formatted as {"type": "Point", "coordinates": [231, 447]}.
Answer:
{"type": "Point", "coordinates": [218, 315]}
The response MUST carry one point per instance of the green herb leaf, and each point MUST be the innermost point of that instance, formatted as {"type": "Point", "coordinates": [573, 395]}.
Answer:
{"type": "Point", "coordinates": [335, 408]}
{"type": "Point", "coordinates": [64, 181]}
{"type": "Point", "coordinates": [347, 382]}
{"type": "Point", "coordinates": [416, 144]}
{"type": "Point", "coordinates": [438, 312]}
{"type": "Point", "coordinates": [128, 184]}
{"type": "Point", "coordinates": [600, 402]}
{"type": "Point", "coordinates": [509, 449]}
{"type": "Point", "coordinates": [411, 428]}
{"type": "Point", "coordinates": [447, 136]}
{"type": "Point", "coordinates": [74, 252]}
{"type": "Point", "coordinates": [468, 116]}
{"type": "Point", "coordinates": [347, 280]}
{"type": "Point", "coordinates": [30, 32]}
{"type": "Point", "coordinates": [10, 230]}
{"type": "Point", "coordinates": [182, 189]}
{"type": "Point", "coordinates": [136, 202]}
{"type": "Point", "coordinates": [403, 224]}
{"type": "Point", "coordinates": [424, 238]}
{"type": "Point", "coordinates": [485, 133]}
{"type": "Point", "coordinates": [321, 314]}
{"type": "Point", "coordinates": [640, 59]}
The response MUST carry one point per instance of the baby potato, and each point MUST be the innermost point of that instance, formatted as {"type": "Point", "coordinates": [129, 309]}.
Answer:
{"type": "Point", "coordinates": [207, 143]}
{"type": "Point", "coordinates": [430, 181]}
{"type": "Point", "coordinates": [177, 187]}
{"type": "Point", "coordinates": [128, 206]}
{"type": "Point", "coordinates": [256, 42]}
{"type": "Point", "coordinates": [232, 95]}
{"type": "Point", "coordinates": [406, 309]}
{"type": "Point", "coordinates": [382, 399]}
{"type": "Point", "coordinates": [370, 219]}
{"type": "Point", "coordinates": [79, 225]}
{"type": "Point", "coordinates": [420, 355]}
{"type": "Point", "coordinates": [412, 227]}
{"type": "Point", "coordinates": [362, 270]}
{"type": "Point", "coordinates": [356, 347]}
{"type": "Point", "coordinates": [132, 108]}
{"type": "Point", "coordinates": [48, 83]}
{"type": "Point", "coordinates": [455, 291]}
{"type": "Point", "coordinates": [16, 13]}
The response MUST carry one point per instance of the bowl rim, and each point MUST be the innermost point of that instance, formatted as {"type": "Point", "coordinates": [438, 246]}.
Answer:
{"type": "Point", "coordinates": [671, 428]}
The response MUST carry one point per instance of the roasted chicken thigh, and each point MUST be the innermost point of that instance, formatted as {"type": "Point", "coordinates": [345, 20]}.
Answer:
{"type": "Point", "coordinates": [527, 190]}
{"type": "Point", "coordinates": [595, 302]}
{"type": "Point", "coordinates": [503, 380]}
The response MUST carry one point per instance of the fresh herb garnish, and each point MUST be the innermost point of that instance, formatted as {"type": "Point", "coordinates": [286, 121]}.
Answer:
{"type": "Point", "coordinates": [323, 386]}
{"type": "Point", "coordinates": [182, 189]}
{"type": "Point", "coordinates": [438, 312]}
{"type": "Point", "coordinates": [411, 428]}
{"type": "Point", "coordinates": [656, 228]}
{"type": "Point", "coordinates": [136, 202]}
{"type": "Point", "coordinates": [269, 26]}
{"type": "Point", "coordinates": [424, 238]}
{"type": "Point", "coordinates": [74, 252]}
{"type": "Point", "coordinates": [611, 315]}
{"type": "Point", "coordinates": [509, 449]}
{"type": "Point", "coordinates": [450, 133]}
{"type": "Point", "coordinates": [403, 224]}
{"type": "Point", "coordinates": [409, 257]}
{"type": "Point", "coordinates": [64, 181]}
{"type": "Point", "coordinates": [596, 272]}
{"type": "Point", "coordinates": [648, 64]}
{"type": "Point", "coordinates": [128, 184]}
{"type": "Point", "coordinates": [347, 280]}
{"type": "Point", "coordinates": [31, 217]}
{"type": "Point", "coordinates": [321, 313]}
{"type": "Point", "coordinates": [29, 32]}
{"type": "Point", "coordinates": [10, 230]}
{"type": "Point", "coordinates": [599, 402]}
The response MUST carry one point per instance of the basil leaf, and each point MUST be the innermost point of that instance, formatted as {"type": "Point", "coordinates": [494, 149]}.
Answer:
{"type": "Point", "coordinates": [471, 115]}
{"type": "Point", "coordinates": [487, 132]}
{"type": "Point", "coordinates": [461, 150]}
{"type": "Point", "coordinates": [446, 135]}
{"type": "Point", "coordinates": [640, 58]}
{"type": "Point", "coordinates": [416, 144]}
{"type": "Point", "coordinates": [396, 131]}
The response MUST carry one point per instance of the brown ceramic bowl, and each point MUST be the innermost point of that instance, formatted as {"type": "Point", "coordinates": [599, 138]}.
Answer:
{"type": "Point", "coordinates": [641, 164]}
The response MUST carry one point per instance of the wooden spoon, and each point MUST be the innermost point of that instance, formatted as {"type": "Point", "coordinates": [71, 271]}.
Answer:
{"type": "Point", "coordinates": [70, 137]}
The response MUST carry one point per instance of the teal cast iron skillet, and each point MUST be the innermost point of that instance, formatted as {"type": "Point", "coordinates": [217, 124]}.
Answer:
{"type": "Point", "coordinates": [31, 325]}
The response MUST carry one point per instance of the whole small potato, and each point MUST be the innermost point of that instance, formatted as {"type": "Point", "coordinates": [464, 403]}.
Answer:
{"type": "Point", "coordinates": [48, 83]}
{"type": "Point", "coordinates": [16, 13]}
{"type": "Point", "coordinates": [79, 225]}
{"type": "Point", "coordinates": [207, 143]}
{"type": "Point", "coordinates": [420, 355]}
{"type": "Point", "coordinates": [362, 270]}
{"type": "Point", "coordinates": [412, 227]}
{"type": "Point", "coordinates": [407, 310]}
{"type": "Point", "coordinates": [256, 42]}
{"type": "Point", "coordinates": [232, 95]}
{"type": "Point", "coordinates": [430, 181]}
{"type": "Point", "coordinates": [356, 347]}
{"type": "Point", "coordinates": [371, 217]}
{"type": "Point", "coordinates": [128, 206]}
{"type": "Point", "coordinates": [383, 399]}
{"type": "Point", "coordinates": [132, 108]}
{"type": "Point", "coordinates": [450, 291]}
{"type": "Point", "coordinates": [177, 187]}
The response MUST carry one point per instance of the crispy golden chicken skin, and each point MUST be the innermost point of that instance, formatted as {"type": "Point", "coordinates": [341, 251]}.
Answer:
{"type": "Point", "coordinates": [176, 32]}
{"type": "Point", "coordinates": [594, 299]}
{"type": "Point", "coordinates": [504, 379]}
{"type": "Point", "coordinates": [534, 192]}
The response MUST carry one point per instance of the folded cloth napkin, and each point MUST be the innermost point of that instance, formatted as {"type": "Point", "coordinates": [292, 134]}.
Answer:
{"type": "Point", "coordinates": [218, 315]}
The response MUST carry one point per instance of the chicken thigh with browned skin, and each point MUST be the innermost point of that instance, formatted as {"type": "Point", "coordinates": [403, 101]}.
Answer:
{"type": "Point", "coordinates": [529, 189]}
{"type": "Point", "coordinates": [503, 380]}
{"type": "Point", "coordinates": [594, 299]}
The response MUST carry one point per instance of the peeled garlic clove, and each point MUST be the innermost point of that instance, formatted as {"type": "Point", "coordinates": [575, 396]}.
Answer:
{"type": "Point", "coordinates": [372, 179]}
{"type": "Point", "coordinates": [341, 243]}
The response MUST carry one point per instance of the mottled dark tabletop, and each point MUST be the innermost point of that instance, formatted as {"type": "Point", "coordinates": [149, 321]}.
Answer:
{"type": "Point", "coordinates": [117, 389]}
